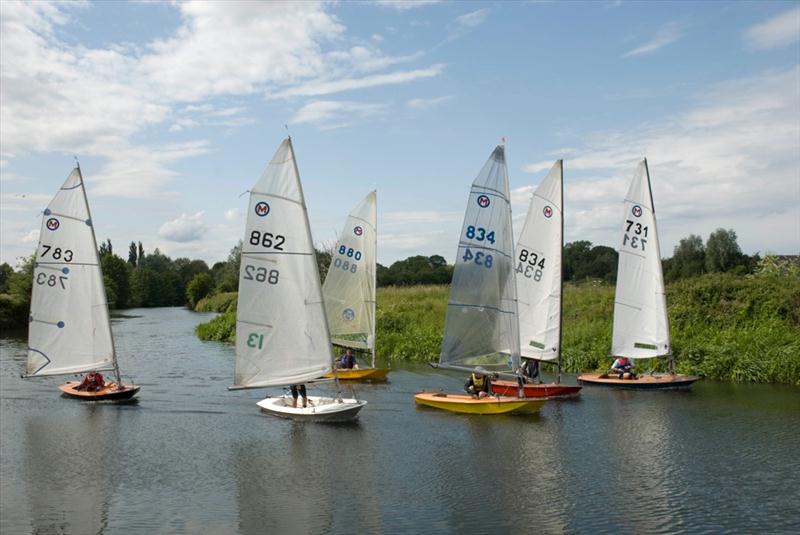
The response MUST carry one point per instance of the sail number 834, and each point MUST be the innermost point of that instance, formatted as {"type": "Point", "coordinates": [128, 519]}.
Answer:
{"type": "Point", "coordinates": [530, 265]}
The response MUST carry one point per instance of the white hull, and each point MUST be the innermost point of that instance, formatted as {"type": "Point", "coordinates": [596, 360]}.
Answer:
{"type": "Point", "coordinates": [319, 408]}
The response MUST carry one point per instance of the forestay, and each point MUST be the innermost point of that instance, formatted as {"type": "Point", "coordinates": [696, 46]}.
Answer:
{"type": "Point", "coordinates": [481, 324]}
{"type": "Point", "coordinates": [69, 329]}
{"type": "Point", "coordinates": [640, 306]}
{"type": "Point", "coordinates": [349, 287]}
{"type": "Point", "coordinates": [538, 269]}
{"type": "Point", "coordinates": [281, 332]}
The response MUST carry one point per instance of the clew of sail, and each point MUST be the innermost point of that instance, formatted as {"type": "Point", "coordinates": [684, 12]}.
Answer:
{"type": "Point", "coordinates": [481, 326]}
{"type": "Point", "coordinates": [281, 331]}
{"type": "Point", "coordinates": [641, 329]}
{"type": "Point", "coordinates": [69, 329]}
{"type": "Point", "coordinates": [349, 287]}
{"type": "Point", "coordinates": [538, 269]}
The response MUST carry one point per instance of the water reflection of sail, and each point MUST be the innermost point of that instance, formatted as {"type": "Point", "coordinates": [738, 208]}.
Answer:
{"type": "Point", "coordinates": [69, 483]}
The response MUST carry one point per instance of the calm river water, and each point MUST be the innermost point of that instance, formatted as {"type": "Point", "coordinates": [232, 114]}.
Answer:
{"type": "Point", "coordinates": [192, 457]}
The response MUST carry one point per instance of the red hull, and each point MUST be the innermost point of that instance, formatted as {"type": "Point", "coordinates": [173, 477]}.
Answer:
{"type": "Point", "coordinates": [549, 390]}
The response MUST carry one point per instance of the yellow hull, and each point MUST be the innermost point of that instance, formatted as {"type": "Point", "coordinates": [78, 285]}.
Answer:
{"type": "Point", "coordinates": [466, 404]}
{"type": "Point", "coordinates": [361, 374]}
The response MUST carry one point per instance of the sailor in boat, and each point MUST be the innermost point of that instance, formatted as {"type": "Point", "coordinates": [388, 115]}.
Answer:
{"type": "Point", "coordinates": [348, 360]}
{"type": "Point", "coordinates": [623, 366]}
{"type": "Point", "coordinates": [530, 370]}
{"type": "Point", "coordinates": [478, 385]}
{"type": "Point", "coordinates": [301, 389]}
{"type": "Point", "coordinates": [92, 382]}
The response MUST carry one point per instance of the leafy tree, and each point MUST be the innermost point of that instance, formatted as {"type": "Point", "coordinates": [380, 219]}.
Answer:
{"type": "Point", "coordinates": [323, 263]}
{"type": "Point", "coordinates": [582, 261]}
{"type": "Point", "coordinates": [573, 257]}
{"type": "Point", "coordinates": [688, 258]}
{"type": "Point", "coordinates": [199, 287]}
{"type": "Point", "coordinates": [141, 253]}
{"type": "Point", "coordinates": [226, 274]}
{"type": "Point", "coordinates": [157, 262]}
{"type": "Point", "coordinates": [132, 256]}
{"type": "Point", "coordinates": [722, 251]}
{"type": "Point", "coordinates": [143, 287]}
{"type": "Point", "coordinates": [416, 270]}
{"type": "Point", "coordinates": [106, 248]}
{"type": "Point", "coordinates": [116, 274]}
{"type": "Point", "coordinates": [5, 275]}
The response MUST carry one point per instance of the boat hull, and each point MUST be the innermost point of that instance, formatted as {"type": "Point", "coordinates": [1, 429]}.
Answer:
{"type": "Point", "coordinates": [360, 374]}
{"type": "Point", "coordinates": [466, 404]}
{"type": "Point", "coordinates": [548, 390]}
{"type": "Point", "coordinates": [642, 382]}
{"type": "Point", "coordinates": [110, 392]}
{"type": "Point", "coordinates": [319, 409]}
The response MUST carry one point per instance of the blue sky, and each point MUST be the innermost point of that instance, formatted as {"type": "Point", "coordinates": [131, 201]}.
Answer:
{"type": "Point", "coordinates": [174, 109]}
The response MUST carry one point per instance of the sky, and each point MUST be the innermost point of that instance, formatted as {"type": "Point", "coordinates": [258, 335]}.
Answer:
{"type": "Point", "coordinates": [175, 108]}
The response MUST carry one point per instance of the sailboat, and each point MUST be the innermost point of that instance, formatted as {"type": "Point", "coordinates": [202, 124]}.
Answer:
{"type": "Point", "coordinates": [641, 327]}
{"type": "Point", "coordinates": [349, 289]}
{"type": "Point", "coordinates": [70, 329]}
{"type": "Point", "coordinates": [481, 326]}
{"type": "Point", "coordinates": [282, 335]}
{"type": "Point", "coordinates": [538, 270]}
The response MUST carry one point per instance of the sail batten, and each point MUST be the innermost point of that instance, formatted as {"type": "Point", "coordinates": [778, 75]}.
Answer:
{"type": "Point", "coordinates": [641, 328]}
{"type": "Point", "coordinates": [69, 330]}
{"type": "Point", "coordinates": [481, 326]}
{"type": "Point", "coordinates": [281, 331]}
{"type": "Point", "coordinates": [538, 266]}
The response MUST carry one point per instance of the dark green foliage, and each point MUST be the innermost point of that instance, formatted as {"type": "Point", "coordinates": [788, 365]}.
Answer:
{"type": "Point", "coordinates": [218, 303]}
{"type": "Point", "coordinates": [415, 270]}
{"type": "Point", "coordinates": [116, 274]}
{"type": "Point", "coordinates": [5, 276]}
{"type": "Point", "coordinates": [582, 261]}
{"type": "Point", "coordinates": [132, 254]}
{"type": "Point", "coordinates": [222, 328]}
{"type": "Point", "coordinates": [688, 259]}
{"type": "Point", "coordinates": [15, 299]}
{"type": "Point", "coordinates": [722, 251]}
{"type": "Point", "coordinates": [323, 263]}
{"type": "Point", "coordinates": [199, 287]}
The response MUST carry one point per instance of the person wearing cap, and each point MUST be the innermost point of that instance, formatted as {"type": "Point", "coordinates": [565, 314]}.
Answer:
{"type": "Point", "coordinates": [478, 385]}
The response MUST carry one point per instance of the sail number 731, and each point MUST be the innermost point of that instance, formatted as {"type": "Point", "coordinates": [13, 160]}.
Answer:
{"type": "Point", "coordinates": [637, 237]}
{"type": "Point", "coordinates": [480, 258]}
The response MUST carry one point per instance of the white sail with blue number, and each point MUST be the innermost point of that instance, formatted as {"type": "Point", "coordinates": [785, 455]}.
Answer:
{"type": "Point", "coordinates": [349, 287]}
{"type": "Point", "coordinates": [641, 329]}
{"type": "Point", "coordinates": [69, 329]}
{"type": "Point", "coordinates": [281, 331]}
{"type": "Point", "coordinates": [481, 327]}
{"type": "Point", "coordinates": [538, 268]}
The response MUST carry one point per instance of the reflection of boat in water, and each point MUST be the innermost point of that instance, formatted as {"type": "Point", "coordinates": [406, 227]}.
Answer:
{"type": "Point", "coordinates": [538, 269]}
{"type": "Point", "coordinates": [349, 289]}
{"type": "Point", "coordinates": [641, 326]}
{"type": "Point", "coordinates": [481, 327]}
{"type": "Point", "coordinates": [282, 335]}
{"type": "Point", "coordinates": [70, 330]}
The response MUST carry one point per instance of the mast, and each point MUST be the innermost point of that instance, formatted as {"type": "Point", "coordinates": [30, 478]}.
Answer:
{"type": "Point", "coordinates": [375, 279]}
{"type": "Point", "coordinates": [316, 267]}
{"type": "Point", "coordinates": [561, 288]}
{"type": "Point", "coordinates": [102, 283]}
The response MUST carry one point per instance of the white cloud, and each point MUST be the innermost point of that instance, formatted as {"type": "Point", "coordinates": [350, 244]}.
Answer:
{"type": "Point", "coordinates": [427, 103]}
{"type": "Point", "coordinates": [234, 214]}
{"type": "Point", "coordinates": [31, 237]}
{"type": "Point", "coordinates": [667, 34]}
{"type": "Point", "coordinates": [463, 23]}
{"type": "Point", "coordinates": [731, 161]}
{"type": "Point", "coordinates": [778, 31]}
{"type": "Point", "coordinates": [405, 5]}
{"type": "Point", "coordinates": [185, 228]}
{"type": "Point", "coordinates": [329, 114]}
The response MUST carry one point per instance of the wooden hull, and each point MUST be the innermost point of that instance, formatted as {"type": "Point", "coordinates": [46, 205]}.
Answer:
{"type": "Point", "coordinates": [549, 390]}
{"type": "Point", "coordinates": [360, 374]}
{"type": "Point", "coordinates": [466, 404]}
{"type": "Point", "coordinates": [109, 393]}
{"type": "Point", "coordinates": [319, 409]}
{"type": "Point", "coordinates": [642, 382]}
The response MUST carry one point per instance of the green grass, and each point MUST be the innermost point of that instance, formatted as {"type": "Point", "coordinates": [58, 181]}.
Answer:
{"type": "Point", "coordinates": [727, 327]}
{"type": "Point", "coordinates": [220, 302]}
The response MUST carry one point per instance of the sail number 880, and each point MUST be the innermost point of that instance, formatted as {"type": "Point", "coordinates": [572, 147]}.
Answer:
{"type": "Point", "coordinates": [349, 252]}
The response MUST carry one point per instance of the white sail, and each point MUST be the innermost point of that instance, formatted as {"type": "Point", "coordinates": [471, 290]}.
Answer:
{"type": "Point", "coordinates": [538, 268]}
{"type": "Point", "coordinates": [281, 331]}
{"type": "Point", "coordinates": [349, 287]}
{"type": "Point", "coordinates": [641, 329]}
{"type": "Point", "coordinates": [69, 329]}
{"type": "Point", "coordinates": [481, 326]}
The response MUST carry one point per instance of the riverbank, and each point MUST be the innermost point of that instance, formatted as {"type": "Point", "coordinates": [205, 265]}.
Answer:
{"type": "Point", "coordinates": [723, 326]}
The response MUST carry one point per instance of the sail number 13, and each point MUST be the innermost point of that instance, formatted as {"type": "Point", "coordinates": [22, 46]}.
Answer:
{"type": "Point", "coordinates": [255, 340]}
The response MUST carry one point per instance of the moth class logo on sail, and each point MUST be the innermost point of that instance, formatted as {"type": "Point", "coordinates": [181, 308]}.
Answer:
{"type": "Point", "coordinates": [548, 211]}
{"type": "Point", "coordinates": [358, 231]}
{"type": "Point", "coordinates": [348, 314]}
{"type": "Point", "coordinates": [637, 211]}
{"type": "Point", "coordinates": [53, 224]}
{"type": "Point", "coordinates": [483, 201]}
{"type": "Point", "coordinates": [262, 209]}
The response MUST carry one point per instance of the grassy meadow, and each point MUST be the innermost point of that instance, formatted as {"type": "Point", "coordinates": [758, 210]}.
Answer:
{"type": "Point", "coordinates": [723, 326]}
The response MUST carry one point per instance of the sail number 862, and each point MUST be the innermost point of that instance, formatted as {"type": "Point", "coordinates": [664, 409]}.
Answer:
{"type": "Point", "coordinates": [266, 240]}
{"type": "Point", "coordinates": [261, 274]}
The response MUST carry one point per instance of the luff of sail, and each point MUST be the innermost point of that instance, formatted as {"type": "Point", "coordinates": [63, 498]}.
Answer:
{"type": "Point", "coordinates": [641, 329]}
{"type": "Point", "coordinates": [481, 326]}
{"type": "Point", "coordinates": [69, 329]}
{"type": "Point", "coordinates": [281, 331]}
{"type": "Point", "coordinates": [538, 270]}
{"type": "Point", "coordinates": [349, 287]}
